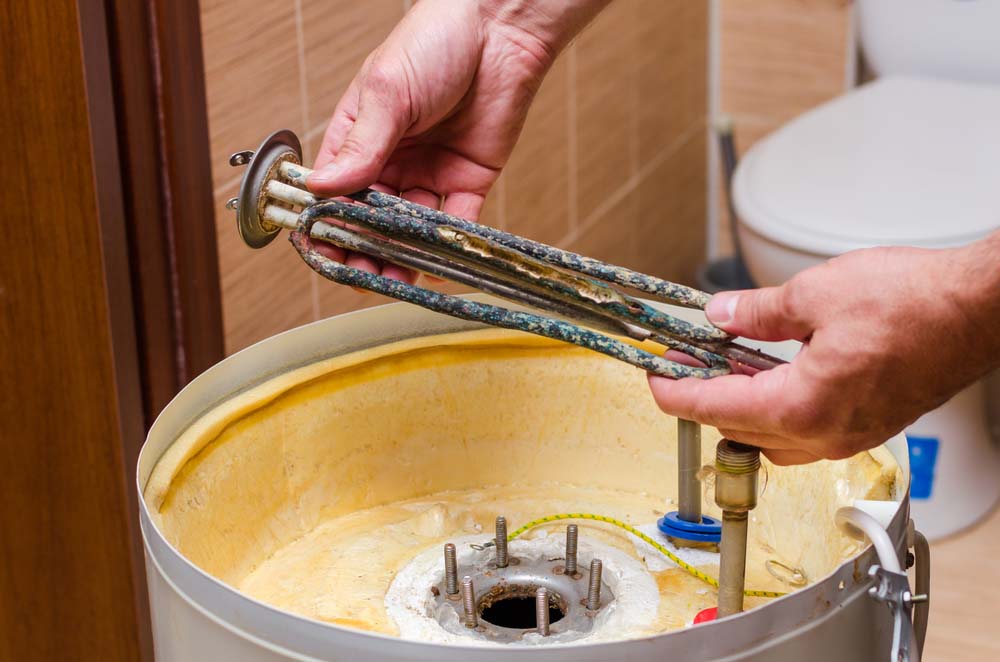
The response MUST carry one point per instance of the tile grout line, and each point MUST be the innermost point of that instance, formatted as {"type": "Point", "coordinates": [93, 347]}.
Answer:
{"type": "Point", "coordinates": [713, 179]}
{"type": "Point", "coordinates": [303, 80]}
{"type": "Point", "coordinates": [572, 150]}
{"type": "Point", "coordinates": [635, 129]}
{"type": "Point", "coordinates": [315, 131]}
{"type": "Point", "coordinates": [633, 182]}
{"type": "Point", "coordinates": [304, 110]}
{"type": "Point", "coordinates": [225, 186]}
{"type": "Point", "coordinates": [635, 94]}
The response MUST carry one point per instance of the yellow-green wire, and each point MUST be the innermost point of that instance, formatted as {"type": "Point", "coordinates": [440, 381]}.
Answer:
{"type": "Point", "coordinates": [690, 569]}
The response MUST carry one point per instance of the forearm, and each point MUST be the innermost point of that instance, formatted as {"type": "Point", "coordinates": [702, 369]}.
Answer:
{"type": "Point", "coordinates": [977, 291]}
{"type": "Point", "coordinates": [552, 23]}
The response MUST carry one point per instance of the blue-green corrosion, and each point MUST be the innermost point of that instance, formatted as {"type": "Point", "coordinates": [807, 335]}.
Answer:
{"type": "Point", "coordinates": [486, 313]}
{"type": "Point", "coordinates": [680, 295]}
{"type": "Point", "coordinates": [412, 221]}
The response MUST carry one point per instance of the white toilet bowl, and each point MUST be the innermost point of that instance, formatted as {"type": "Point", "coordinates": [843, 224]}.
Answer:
{"type": "Point", "coordinates": [900, 161]}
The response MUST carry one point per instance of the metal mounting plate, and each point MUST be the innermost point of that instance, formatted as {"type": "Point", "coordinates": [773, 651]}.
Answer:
{"type": "Point", "coordinates": [280, 146]}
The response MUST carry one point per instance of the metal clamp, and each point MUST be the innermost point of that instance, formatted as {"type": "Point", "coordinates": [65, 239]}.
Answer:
{"type": "Point", "coordinates": [893, 588]}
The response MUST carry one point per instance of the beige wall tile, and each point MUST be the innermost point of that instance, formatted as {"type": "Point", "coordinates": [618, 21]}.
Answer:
{"type": "Point", "coordinates": [639, 87]}
{"type": "Point", "coordinates": [264, 291]}
{"type": "Point", "coordinates": [606, 91]}
{"type": "Point", "coordinates": [614, 235]}
{"type": "Point", "coordinates": [672, 214]}
{"type": "Point", "coordinates": [251, 74]}
{"type": "Point", "coordinates": [310, 146]}
{"type": "Point", "coordinates": [537, 175]}
{"type": "Point", "coordinates": [673, 71]}
{"type": "Point", "coordinates": [335, 299]}
{"type": "Point", "coordinates": [778, 58]}
{"type": "Point", "coordinates": [337, 37]}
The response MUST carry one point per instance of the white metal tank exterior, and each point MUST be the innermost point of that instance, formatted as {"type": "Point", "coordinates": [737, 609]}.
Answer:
{"type": "Point", "coordinates": [197, 617]}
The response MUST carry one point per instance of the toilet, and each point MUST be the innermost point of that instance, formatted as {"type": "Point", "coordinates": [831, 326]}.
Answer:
{"type": "Point", "coordinates": [909, 159]}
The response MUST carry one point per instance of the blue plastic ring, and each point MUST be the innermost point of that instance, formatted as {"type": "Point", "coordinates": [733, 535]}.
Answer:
{"type": "Point", "coordinates": [708, 530]}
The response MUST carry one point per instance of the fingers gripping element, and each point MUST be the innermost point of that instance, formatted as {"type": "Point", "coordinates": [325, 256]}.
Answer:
{"type": "Point", "coordinates": [382, 119]}
{"type": "Point", "coordinates": [763, 314]}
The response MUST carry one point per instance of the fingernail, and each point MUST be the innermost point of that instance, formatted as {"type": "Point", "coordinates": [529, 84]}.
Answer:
{"type": "Point", "coordinates": [322, 176]}
{"type": "Point", "coordinates": [721, 309]}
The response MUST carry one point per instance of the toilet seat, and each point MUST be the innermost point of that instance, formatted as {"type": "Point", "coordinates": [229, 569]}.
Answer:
{"type": "Point", "coordinates": [899, 161]}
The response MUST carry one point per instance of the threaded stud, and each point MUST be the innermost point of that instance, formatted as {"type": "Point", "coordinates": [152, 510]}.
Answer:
{"type": "Point", "coordinates": [450, 570]}
{"type": "Point", "coordinates": [572, 537]}
{"type": "Point", "coordinates": [594, 590]}
{"type": "Point", "coordinates": [469, 602]}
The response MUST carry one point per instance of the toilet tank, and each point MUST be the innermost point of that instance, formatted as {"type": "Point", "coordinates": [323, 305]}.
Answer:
{"type": "Point", "coordinates": [955, 39]}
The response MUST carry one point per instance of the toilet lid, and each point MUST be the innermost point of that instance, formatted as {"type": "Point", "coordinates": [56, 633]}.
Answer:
{"type": "Point", "coordinates": [900, 161]}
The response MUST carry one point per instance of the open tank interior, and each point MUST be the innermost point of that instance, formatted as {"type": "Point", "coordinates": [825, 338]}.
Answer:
{"type": "Point", "coordinates": [329, 491]}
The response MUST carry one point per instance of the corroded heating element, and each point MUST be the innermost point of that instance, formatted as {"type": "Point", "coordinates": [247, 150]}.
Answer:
{"type": "Point", "coordinates": [542, 611]}
{"type": "Point", "coordinates": [559, 283]}
{"type": "Point", "coordinates": [501, 542]}
{"type": "Point", "coordinates": [563, 287]}
{"type": "Point", "coordinates": [736, 467]}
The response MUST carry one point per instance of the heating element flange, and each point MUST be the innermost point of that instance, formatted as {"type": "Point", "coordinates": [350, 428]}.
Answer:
{"type": "Point", "coordinates": [277, 148]}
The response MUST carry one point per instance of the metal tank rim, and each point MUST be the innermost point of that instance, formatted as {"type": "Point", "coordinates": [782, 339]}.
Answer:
{"type": "Point", "coordinates": [302, 638]}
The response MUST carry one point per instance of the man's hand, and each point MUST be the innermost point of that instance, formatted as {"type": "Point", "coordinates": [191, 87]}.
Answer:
{"type": "Point", "coordinates": [888, 333]}
{"type": "Point", "coordinates": [435, 111]}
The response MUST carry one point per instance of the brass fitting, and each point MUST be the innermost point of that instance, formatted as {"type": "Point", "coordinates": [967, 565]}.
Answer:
{"type": "Point", "coordinates": [736, 468]}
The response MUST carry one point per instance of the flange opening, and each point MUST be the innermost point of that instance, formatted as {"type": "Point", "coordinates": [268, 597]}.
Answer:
{"type": "Point", "coordinates": [513, 607]}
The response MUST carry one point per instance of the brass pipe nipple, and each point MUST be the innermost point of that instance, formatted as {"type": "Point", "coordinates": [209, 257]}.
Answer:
{"type": "Point", "coordinates": [736, 469]}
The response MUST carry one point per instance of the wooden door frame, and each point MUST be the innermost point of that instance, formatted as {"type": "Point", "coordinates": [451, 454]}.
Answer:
{"type": "Point", "coordinates": [149, 124]}
{"type": "Point", "coordinates": [158, 74]}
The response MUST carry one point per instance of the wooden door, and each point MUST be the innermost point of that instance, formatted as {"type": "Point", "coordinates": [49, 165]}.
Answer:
{"type": "Point", "coordinates": [108, 304]}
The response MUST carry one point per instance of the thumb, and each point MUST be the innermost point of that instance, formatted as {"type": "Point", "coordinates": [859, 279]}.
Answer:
{"type": "Point", "coordinates": [762, 314]}
{"type": "Point", "coordinates": [382, 120]}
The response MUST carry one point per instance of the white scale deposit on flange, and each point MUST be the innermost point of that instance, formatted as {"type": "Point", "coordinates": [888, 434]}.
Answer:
{"type": "Point", "coordinates": [413, 608]}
